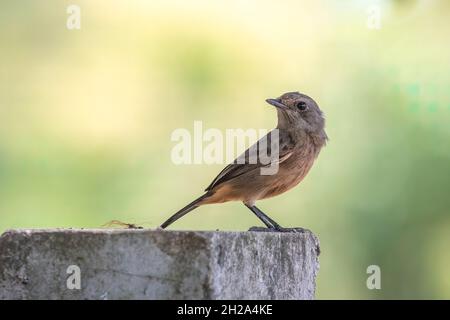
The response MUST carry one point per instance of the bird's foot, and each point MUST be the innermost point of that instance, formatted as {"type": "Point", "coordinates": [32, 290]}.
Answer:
{"type": "Point", "coordinates": [277, 229]}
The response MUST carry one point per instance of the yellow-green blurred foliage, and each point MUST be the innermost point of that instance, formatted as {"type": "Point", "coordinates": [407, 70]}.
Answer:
{"type": "Point", "coordinates": [86, 117]}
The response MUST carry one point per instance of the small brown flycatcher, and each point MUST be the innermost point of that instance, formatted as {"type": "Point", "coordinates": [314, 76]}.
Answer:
{"type": "Point", "coordinates": [301, 136]}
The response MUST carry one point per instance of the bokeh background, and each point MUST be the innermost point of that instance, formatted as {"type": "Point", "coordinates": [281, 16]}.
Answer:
{"type": "Point", "coordinates": [86, 118]}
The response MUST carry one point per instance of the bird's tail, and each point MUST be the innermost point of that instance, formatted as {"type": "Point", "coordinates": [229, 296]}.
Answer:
{"type": "Point", "coordinates": [191, 206]}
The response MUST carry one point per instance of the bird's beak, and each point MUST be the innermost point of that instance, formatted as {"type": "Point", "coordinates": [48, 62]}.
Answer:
{"type": "Point", "coordinates": [276, 103]}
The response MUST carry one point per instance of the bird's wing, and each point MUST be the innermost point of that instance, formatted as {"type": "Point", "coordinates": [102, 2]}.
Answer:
{"type": "Point", "coordinates": [250, 160]}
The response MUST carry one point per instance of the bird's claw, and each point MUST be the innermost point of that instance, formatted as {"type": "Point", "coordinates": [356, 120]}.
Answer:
{"type": "Point", "coordinates": [278, 229]}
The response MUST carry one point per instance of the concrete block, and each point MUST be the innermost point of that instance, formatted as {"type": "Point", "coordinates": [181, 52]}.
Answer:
{"type": "Point", "coordinates": [157, 264]}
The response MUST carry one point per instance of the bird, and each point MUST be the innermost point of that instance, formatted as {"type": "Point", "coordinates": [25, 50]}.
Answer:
{"type": "Point", "coordinates": [301, 136]}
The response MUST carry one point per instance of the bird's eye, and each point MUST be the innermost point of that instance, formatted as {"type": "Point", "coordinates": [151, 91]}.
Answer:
{"type": "Point", "coordinates": [301, 105]}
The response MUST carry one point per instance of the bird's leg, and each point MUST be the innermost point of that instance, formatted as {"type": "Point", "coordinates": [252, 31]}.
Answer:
{"type": "Point", "coordinates": [272, 226]}
{"type": "Point", "coordinates": [264, 218]}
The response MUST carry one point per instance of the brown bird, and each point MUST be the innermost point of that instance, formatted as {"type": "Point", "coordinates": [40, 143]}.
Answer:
{"type": "Point", "coordinates": [301, 136]}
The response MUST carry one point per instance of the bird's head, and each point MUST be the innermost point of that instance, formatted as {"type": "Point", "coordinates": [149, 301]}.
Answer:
{"type": "Point", "coordinates": [298, 111]}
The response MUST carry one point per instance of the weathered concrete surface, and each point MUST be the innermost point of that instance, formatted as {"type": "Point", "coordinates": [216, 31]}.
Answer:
{"type": "Point", "coordinates": [153, 264]}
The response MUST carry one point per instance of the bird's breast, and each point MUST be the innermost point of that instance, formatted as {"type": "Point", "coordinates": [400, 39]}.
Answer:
{"type": "Point", "coordinates": [291, 172]}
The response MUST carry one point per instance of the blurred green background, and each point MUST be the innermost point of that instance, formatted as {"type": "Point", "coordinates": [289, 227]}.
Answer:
{"type": "Point", "coordinates": [86, 118]}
